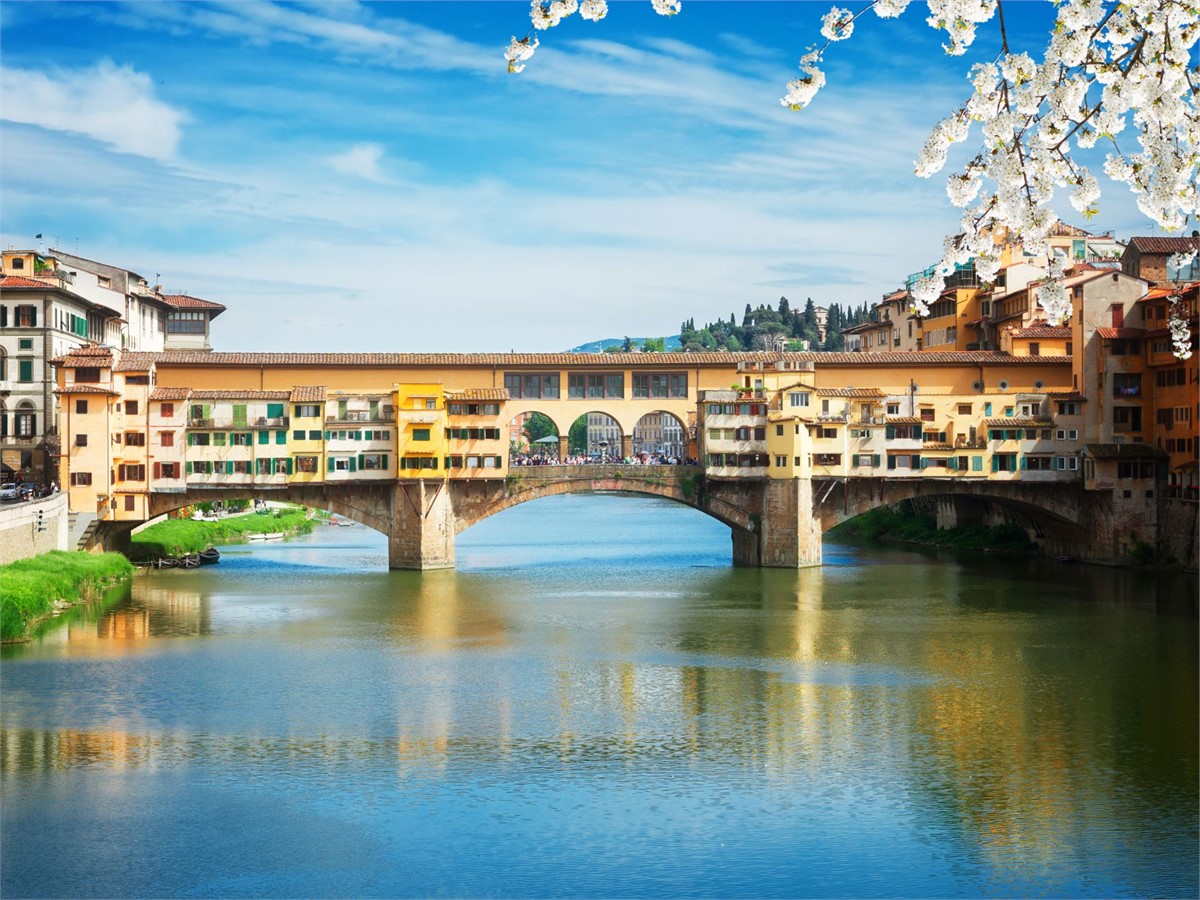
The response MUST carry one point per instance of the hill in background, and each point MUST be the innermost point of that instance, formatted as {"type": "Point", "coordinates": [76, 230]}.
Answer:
{"type": "Point", "coordinates": [672, 344]}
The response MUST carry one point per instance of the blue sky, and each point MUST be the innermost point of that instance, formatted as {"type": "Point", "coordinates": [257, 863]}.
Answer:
{"type": "Point", "coordinates": [367, 177]}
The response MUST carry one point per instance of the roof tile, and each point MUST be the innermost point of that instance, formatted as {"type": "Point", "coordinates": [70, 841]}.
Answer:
{"type": "Point", "coordinates": [170, 393]}
{"type": "Point", "coordinates": [309, 393]}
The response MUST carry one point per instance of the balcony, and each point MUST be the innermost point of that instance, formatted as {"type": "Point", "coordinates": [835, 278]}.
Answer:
{"type": "Point", "coordinates": [361, 418]}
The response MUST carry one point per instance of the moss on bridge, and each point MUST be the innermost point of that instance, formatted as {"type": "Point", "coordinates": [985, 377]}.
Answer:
{"type": "Point", "coordinates": [904, 524]}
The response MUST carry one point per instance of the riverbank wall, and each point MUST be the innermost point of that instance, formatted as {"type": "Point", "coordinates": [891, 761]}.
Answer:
{"type": "Point", "coordinates": [30, 528]}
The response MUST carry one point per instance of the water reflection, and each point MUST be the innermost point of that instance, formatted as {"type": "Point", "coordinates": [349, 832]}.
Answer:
{"type": "Point", "coordinates": [1007, 730]}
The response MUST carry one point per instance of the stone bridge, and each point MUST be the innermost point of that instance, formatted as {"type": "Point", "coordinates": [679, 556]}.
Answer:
{"type": "Point", "coordinates": [773, 523]}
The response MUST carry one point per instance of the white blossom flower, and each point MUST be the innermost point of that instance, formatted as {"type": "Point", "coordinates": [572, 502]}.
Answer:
{"type": "Point", "coordinates": [518, 52]}
{"type": "Point", "coordinates": [890, 9]}
{"type": "Point", "coordinates": [837, 24]}
{"type": "Point", "coordinates": [1181, 332]}
{"type": "Point", "coordinates": [801, 91]}
{"type": "Point", "coordinates": [666, 7]}
{"type": "Point", "coordinates": [593, 10]}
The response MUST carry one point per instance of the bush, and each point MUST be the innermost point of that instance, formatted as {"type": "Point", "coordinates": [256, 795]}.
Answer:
{"type": "Point", "coordinates": [31, 586]}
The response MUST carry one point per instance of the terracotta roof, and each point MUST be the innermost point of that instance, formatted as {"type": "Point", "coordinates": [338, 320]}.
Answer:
{"type": "Point", "coordinates": [1042, 331]}
{"type": "Point", "coordinates": [309, 393]}
{"type": "Point", "coordinates": [903, 420]}
{"type": "Point", "coordinates": [238, 394]}
{"type": "Point", "coordinates": [1164, 244]}
{"type": "Point", "coordinates": [1110, 333]}
{"type": "Point", "coordinates": [595, 360]}
{"type": "Point", "coordinates": [170, 393]}
{"type": "Point", "coordinates": [863, 326]}
{"type": "Point", "coordinates": [20, 281]}
{"type": "Point", "coordinates": [76, 388]}
{"type": "Point", "coordinates": [937, 446]}
{"type": "Point", "coordinates": [849, 392]}
{"type": "Point", "coordinates": [88, 356]}
{"type": "Point", "coordinates": [135, 362]}
{"type": "Point", "coordinates": [1014, 422]}
{"type": "Point", "coordinates": [183, 301]}
{"type": "Point", "coordinates": [479, 394]}
{"type": "Point", "coordinates": [1125, 451]}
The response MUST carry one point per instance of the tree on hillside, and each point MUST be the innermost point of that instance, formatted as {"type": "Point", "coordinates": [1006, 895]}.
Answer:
{"type": "Point", "coordinates": [654, 345]}
{"type": "Point", "coordinates": [1108, 64]}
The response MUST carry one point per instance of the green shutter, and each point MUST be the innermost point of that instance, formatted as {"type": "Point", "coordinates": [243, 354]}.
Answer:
{"type": "Point", "coordinates": [875, 460]}
{"type": "Point", "coordinates": [187, 467]}
{"type": "Point", "coordinates": [891, 462]}
{"type": "Point", "coordinates": [383, 461]}
{"type": "Point", "coordinates": [274, 410]}
{"type": "Point", "coordinates": [987, 409]}
{"type": "Point", "coordinates": [890, 432]}
{"type": "Point", "coordinates": [326, 434]}
{"type": "Point", "coordinates": [1022, 462]}
{"type": "Point", "coordinates": [995, 464]}
{"type": "Point", "coordinates": [229, 467]}
{"type": "Point", "coordinates": [264, 437]}
{"type": "Point", "coordinates": [330, 468]}
{"type": "Point", "coordinates": [360, 461]}
{"type": "Point", "coordinates": [352, 466]}
{"type": "Point", "coordinates": [191, 442]}
{"type": "Point", "coordinates": [281, 437]}
{"type": "Point", "coordinates": [976, 463]}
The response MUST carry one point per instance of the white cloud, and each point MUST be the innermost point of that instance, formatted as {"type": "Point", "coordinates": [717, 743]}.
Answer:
{"type": "Point", "coordinates": [110, 103]}
{"type": "Point", "coordinates": [360, 161]}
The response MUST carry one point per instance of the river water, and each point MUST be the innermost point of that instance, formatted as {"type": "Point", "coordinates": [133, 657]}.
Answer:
{"type": "Point", "coordinates": [595, 704]}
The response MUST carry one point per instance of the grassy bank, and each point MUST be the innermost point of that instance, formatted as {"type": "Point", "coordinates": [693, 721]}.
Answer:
{"type": "Point", "coordinates": [40, 586]}
{"type": "Point", "coordinates": [178, 536]}
{"type": "Point", "coordinates": [904, 524]}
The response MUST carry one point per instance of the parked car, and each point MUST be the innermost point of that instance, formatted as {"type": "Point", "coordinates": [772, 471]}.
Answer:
{"type": "Point", "coordinates": [9, 491]}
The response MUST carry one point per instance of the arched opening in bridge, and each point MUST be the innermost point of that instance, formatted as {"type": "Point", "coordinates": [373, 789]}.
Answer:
{"type": "Point", "coordinates": [533, 439]}
{"type": "Point", "coordinates": [602, 532]}
{"type": "Point", "coordinates": [597, 438]}
{"type": "Point", "coordinates": [660, 437]}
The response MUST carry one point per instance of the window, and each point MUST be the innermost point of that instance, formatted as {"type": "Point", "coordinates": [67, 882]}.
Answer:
{"type": "Point", "coordinates": [166, 439]}
{"type": "Point", "coordinates": [798, 398]}
{"type": "Point", "coordinates": [827, 459]}
{"type": "Point", "coordinates": [186, 322]}
{"type": "Point", "coordinates": [81, 440]}
{"type": "Point", "coordinates": [81, 479]}
{"type": "Point", "coordinates": [431, 404]}
{"type": "Point", "coordinates": [663, 384]}
{"type": "Point", "coordinates": [24, 424]}
{"type": "Point", "coordinates": [1127, 385]}
{"type": "Point", "coordinates": [135, 439]}
{"type": "Point", "coordinates": [18, 263]}
{"type": "Point", "coordinates": [1039, 463]}
{"type": "Point", "coordinates": [1035, 349]}
{"type": "Point", "coordinates": [1127, 418]}
{"type": "Point", "coordinates": [827, 433]}
{"type": "Point", "coordinates": [306, 464]}
{"type": "Point", "coordinates": [374, 461]}
{"type": "Point", "coordinates": [198, 439]}
{"type": "Point", "coordinates": [137, 379]}
{"type": "Point", "coordinates": [1066, 434]}
{"type": "Point", "coordinates": [964, 409]}
{"type": "Point", "coordinates": [1066, 463]}
{"type": "Point", "coordinates": [308, 411]}
{"type": "Point", "coordinates": [81, 407]}
{"type": "Point", "coordinates": [314, 435]}
{"type": "Point", "coordinates": [532, 386]}
{"type": "Point", "coordinates": [893, 409]}
{"type": "Point", "coordinates": [926, 415]}
{"type": "Point", "coordinates": [25, 370]}
{"type": "Point", "coordinates": [298, 435]}
{"type": "Point", "coordinates": [168, 470]}
{"type": "Point", "coordinates": [131, 407]}
{"type": "Point", "coordinates": [131, 473]}
{"type": "Point", "coordinates": [240, 439]}
{"type": "Point", "coordinates": [1068, 408]}
{"type": "Point", "coordinates": [26, 317]}
{"type": "Point", "coordinates": [1188, 272]}
{"type": "Point", "coordinates": [130, 503]}
{"type": "Point", "coordinates": [167, 410]}
{"type": "Point", "coordinates": [420, 434]}
{"type": "Point", "coordinates": [25, 344]}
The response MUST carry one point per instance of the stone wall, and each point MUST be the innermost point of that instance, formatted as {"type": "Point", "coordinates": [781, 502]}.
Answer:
{"type": "Point", "coordinates": [19, 534]}
{"type": "Point", "coordinates": [1180, 535]}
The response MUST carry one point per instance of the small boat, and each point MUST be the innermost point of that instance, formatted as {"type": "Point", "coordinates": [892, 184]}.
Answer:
{"type": "Point", "coordinates": [191, 561]}
{"type": "Point", "coordinates": [256, 536]}
{"type": "Point", "coordinates": [210, 556]}
{"type": "Point", "coordinates": [273, 536]}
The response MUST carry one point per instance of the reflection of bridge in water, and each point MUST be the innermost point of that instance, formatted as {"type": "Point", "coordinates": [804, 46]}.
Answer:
{"type": "Point", "coordinates": [773, 522]}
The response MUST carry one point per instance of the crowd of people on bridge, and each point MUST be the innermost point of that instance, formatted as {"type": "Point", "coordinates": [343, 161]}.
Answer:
{"type": "Point", "coordinates": [580, 459]}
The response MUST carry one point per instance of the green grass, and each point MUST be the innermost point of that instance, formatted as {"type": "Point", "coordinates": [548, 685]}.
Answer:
{"type": "Point", "coordinates": [902, 523]}
{"type": "Point", "coordinates": [31, 586]}
{"type": "Point", "coordinates": [178, 536]}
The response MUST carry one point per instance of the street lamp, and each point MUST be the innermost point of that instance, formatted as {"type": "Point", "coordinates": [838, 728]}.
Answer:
{"type": "Point", "coordinates": [603, 451]}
